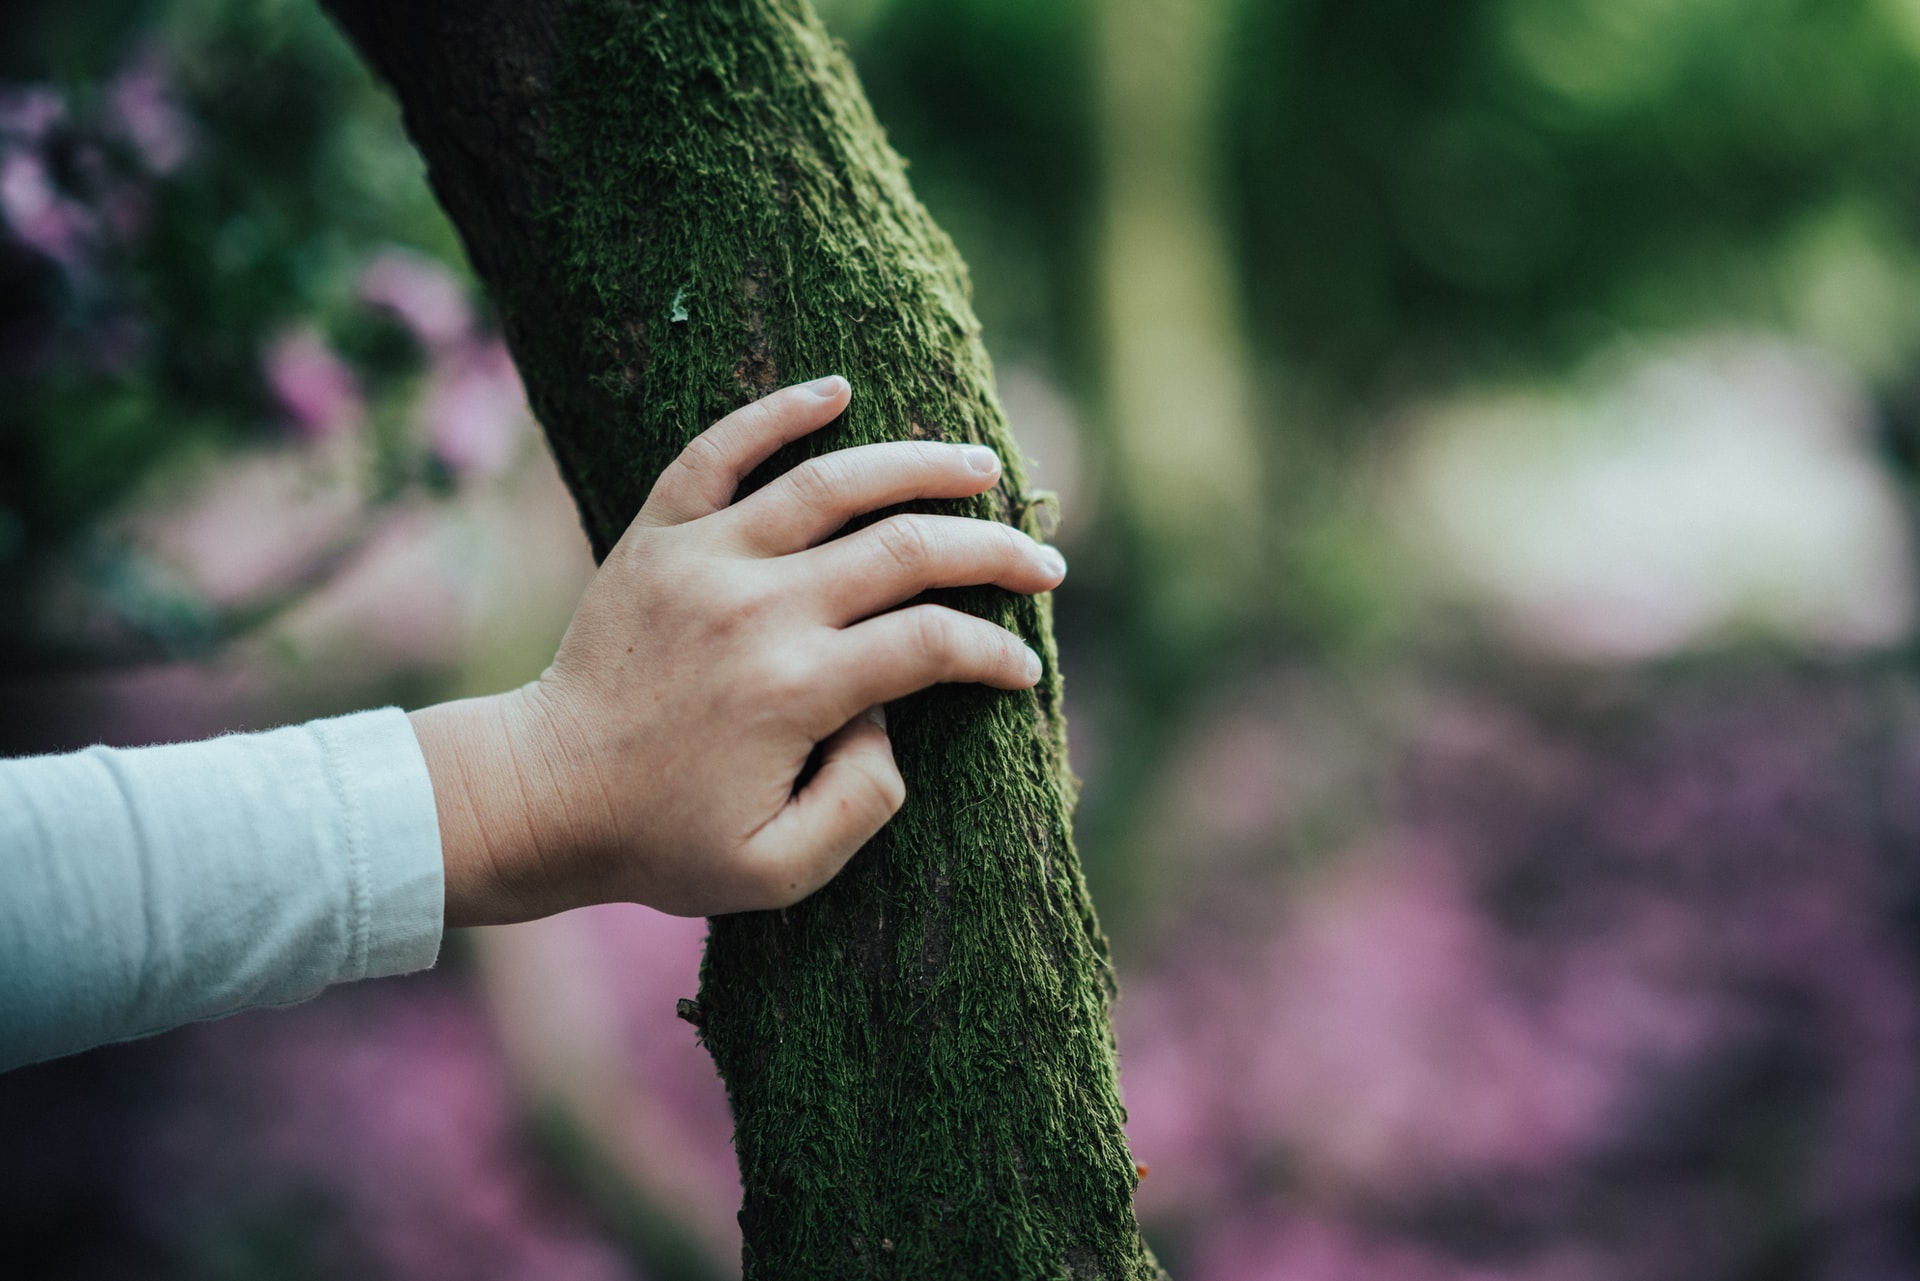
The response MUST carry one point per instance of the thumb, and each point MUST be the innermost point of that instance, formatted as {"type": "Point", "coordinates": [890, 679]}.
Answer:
{"type": "Point", "coordinates": [850, 797]}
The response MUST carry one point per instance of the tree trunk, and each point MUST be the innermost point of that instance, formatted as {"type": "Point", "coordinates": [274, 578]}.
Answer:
{"type": "Point", "coordinates": [677, 206]}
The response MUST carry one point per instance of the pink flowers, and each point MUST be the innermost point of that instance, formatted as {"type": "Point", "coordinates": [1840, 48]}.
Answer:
{"type": "Point", "coordinates": [104, 203]}
{"type": "Point", "coordinates": [382, 1128]}
{"type": "Point", "coordinates": [473, 408]}
{"type": "Point", "coordinates": [1384, 1038]}
{"type": "Point", "coordinates": [470, 405]}
{"type": "Point", "coordinates": [36, 212]}
{"type": "Point", "coordinates": [1549, 1006]}
{"type": "Point", "coordinates": [423, 294]}
{"type": "Point", "coordinates": [144, 111]}
{"type": "Point", "coordinates": [315, 388]}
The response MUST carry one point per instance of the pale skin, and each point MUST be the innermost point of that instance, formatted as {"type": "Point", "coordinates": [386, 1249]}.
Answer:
{"type": "Point", "coordinates": [719, 647]}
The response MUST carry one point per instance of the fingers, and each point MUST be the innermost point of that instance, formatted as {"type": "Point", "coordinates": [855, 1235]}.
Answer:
{"type": "Point", "coordinates": [891, 656]}
{"type": "Point", "coordinates": [902, 556]}
{"type": "Point", "coordinates": [819, 496]}
{"type": "Point", "coordinates": [703, 478]}
{"type": "Point", "coordinates": [855, 791]}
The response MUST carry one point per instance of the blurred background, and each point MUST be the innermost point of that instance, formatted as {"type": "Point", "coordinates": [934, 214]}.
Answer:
{"type": "Point", "coordinates": [1487, 434]}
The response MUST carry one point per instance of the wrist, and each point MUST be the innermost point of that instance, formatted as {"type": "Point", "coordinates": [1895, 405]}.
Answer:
{"type": "Point", "coordinates": [487, 829]}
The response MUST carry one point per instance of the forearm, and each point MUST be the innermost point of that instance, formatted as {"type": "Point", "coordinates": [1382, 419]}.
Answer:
{"type": "Point", "coordinates": [147, 888]}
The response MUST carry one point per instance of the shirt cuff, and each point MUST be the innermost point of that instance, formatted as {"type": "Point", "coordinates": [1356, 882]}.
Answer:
{"type": "Point", "coordinates": [398, 878]}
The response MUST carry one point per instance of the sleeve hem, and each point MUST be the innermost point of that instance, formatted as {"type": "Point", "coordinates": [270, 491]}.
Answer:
{"type": "Point", "coordinates": [393, 842]}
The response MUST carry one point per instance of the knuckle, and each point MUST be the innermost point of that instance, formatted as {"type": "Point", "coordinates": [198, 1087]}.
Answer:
{"type": "Point", "coordinates": [1010, 544]}
{"type": "Point", "coordinates": [936, 636]}
{"type": "Point", "coordinates": [1010, 653]}
{"type": "Point", "coordinates": [735, 617]}
{"type": "Point", "coordinates": [703, 457]}
{"type": "Point", "coordinates": [756, 416]}
{"type": "Point", "coordinates": [784, 676]}
{"type": "Point", "coordinates": [906, 541]}
{"type": "Point", "coordinates": [995, 652]}
{"type": "Point", "coordinates": [931, 456]}
{"type": "Point", "coordinates": [736, 608]}
{"type": "Point", "coordinates": [819, 482]}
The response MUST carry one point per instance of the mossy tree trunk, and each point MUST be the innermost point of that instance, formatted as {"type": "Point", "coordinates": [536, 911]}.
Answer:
{"type": "Point", "coordinates": [677, 206]}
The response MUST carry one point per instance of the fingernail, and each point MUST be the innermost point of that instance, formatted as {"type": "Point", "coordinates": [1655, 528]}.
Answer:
{"type": "Point", "coordinates": [1033, 665]}
{"type": "Point", "coordinates": [878, 714]}
{"type": "Point", "coordinates": [1053, 562]}
{"type": "Point", "coordinates": [982, 459]}
{"type": "Point", "coordinates": [827, 388]}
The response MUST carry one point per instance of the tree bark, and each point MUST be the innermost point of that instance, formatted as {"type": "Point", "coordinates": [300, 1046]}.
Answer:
{"type": "Point", "coordinates": [677, 206]}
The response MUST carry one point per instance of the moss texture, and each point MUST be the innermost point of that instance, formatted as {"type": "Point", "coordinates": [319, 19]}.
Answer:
{"type": "Point", "coordinates": [919, 1057]}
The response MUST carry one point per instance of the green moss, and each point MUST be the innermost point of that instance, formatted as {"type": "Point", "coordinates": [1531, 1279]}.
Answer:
{"type": "Point", "coordinates": [919, 1057]}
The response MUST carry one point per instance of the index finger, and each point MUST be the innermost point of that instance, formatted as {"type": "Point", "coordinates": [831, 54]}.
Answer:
{"type": "Point", "coordinates": [703, 478]}
{"type": "Point", "coordinates": [820, 495]}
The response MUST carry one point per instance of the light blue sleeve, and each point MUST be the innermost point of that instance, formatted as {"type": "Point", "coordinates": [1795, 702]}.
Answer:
{"type": "Point", "coordinates": [145, 888]}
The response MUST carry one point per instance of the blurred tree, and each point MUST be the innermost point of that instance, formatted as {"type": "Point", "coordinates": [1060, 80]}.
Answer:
{"type": "Point", "coordinates": [676, 209]}
{"type": "Point", "coordinates": [1426, 193]}
{"type": "Point", "coordinates": [1176, 345]}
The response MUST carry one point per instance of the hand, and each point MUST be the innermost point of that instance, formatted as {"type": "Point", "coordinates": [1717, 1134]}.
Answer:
{"type": "Point", "coordinates": [720, 645]}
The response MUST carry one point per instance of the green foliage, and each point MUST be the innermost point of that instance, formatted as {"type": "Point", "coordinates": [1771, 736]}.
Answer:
{"type": "Point", "coordinates": [1424, 192]}
{"type": "Point", "coordinates": [1486, 182]}
{"type": "Point", "coordinates": [143, 347]}
{"type": "Point", "coordinates": [993, 104]}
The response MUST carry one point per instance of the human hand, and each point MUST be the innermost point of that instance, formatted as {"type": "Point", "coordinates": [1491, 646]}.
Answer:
{"type": "Point", "coordinates": [718, 648]}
